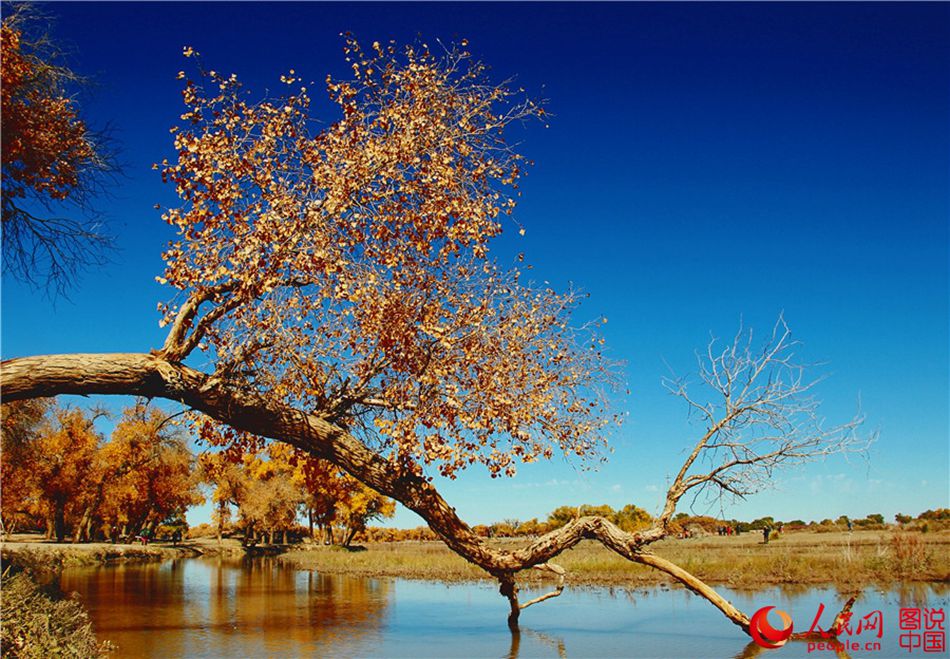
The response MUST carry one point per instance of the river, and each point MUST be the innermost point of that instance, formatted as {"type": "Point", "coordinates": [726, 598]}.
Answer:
{"type": "Point", "coordinates": [262, 608]}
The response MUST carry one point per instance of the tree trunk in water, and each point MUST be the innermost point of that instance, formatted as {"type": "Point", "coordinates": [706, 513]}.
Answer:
{"type": "Point", "coordinates": [154, 376]}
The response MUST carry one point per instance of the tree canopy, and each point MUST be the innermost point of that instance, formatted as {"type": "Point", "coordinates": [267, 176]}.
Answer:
{"type": "Point", "coordinates": [338, 282]}
{"type": "Point", "coordinates": [347, 270]}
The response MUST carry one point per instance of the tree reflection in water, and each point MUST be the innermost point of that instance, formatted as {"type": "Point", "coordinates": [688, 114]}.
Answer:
{"type": "Point", "coordinates": [222, 607]}
{"type": "Point", "coordinates": [552, 642]}
{"type": "Point", "coordinates": [259, 608]}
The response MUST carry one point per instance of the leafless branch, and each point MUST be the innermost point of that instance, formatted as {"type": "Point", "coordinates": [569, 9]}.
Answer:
{"type": "Point", "coordinates": [760, 415]}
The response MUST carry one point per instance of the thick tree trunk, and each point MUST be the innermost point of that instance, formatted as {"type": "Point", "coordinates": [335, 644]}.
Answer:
{"type": "Point", "coordinates": [59, 520]}
{"type": "Point", "coordinates": [222, 509]}
{"type": "Point", "coordinates": [85, 522]}
{"type": "Point", "coordinates": [348, 537]}
{"type": "Point", "coordinates": [153, 376]}
{"type": "Point", "coordinates": [82, 529]}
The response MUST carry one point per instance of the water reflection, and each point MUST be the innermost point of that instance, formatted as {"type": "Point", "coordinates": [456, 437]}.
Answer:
{"type": "Point", "coordinates": [753, 650]}
{"type": "Point", "coordinates": [557, 644]}
{"type": "Point", "coordinates": [254, 607]}
{"type": "Point", "coordinates": [259, 608]}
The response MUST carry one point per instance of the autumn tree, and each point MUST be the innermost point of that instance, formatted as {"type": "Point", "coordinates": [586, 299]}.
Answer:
{"type": "Point", "coordinates": [628, 518]}
{"type": "Point", "coordinates": [333, 498]}
{"type": "Point", "coordinates": [58, 469]}
{"type": "Point", "coordinates": [51, 160]}
{"type": "Point", "coordinates": [61, 464]}
{"type": "Point", "coordinates": [271, 500]}
{"type": "Point", "coordinates": [263, 489]}
{"type": "Point", "coordinates": [338, 279]}
{"type": "Point", "coordinates": [146, 474]}
{"type": "Point", "coordinates": [324, 485]}
{"type": "Point", "coordinates": [228, 482]}
{"type": "Point", "coordinates": [271, 489]}
{"type": "Point", "coordinates": [20, 425]}
{"type": "Point", "coordinates": [362, 507]}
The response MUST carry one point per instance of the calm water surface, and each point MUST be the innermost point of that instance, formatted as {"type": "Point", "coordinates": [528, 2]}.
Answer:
{"type": "Point", "coordinates": [261, 608]}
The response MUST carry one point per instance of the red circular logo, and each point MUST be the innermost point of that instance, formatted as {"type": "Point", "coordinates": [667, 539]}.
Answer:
{"type": "Point", "coordinates": [764, 634]}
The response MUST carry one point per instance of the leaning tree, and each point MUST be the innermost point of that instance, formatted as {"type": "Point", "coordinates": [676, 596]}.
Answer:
{"type": "Point", "coordinates": [337, 278]}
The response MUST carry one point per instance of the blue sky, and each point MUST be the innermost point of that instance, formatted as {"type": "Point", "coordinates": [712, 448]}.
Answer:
{"type": "Point", "coordinates": [705, 163]}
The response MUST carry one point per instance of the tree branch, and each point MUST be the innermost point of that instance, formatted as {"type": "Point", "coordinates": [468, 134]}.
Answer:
{"type": "Point", "coordinates": [152, 376]}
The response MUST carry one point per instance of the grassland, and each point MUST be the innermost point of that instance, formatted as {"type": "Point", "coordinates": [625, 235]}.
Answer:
{"type": "Point", "coordinates": [863, 558]}
{"type": "Point", "coordinates": [859, 559]}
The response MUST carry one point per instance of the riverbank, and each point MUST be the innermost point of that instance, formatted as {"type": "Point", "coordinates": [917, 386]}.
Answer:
{"type": "Point", "coordinates": [855, 560]}
{"type": "Point", "coordinates": [859, 559]}
{"type": "Point", "coordinates": [34, 624]}
{"type": "Point", "coordinates": [39, 554]}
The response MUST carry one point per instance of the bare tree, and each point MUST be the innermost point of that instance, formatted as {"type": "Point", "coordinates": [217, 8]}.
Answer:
{"type": "Point", "coordinates": [759, 415]}
{"type": "Point", "coordinates": [54, 165]}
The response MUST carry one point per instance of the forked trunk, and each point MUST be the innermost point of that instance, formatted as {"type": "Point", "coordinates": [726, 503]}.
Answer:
{"type": "Point", "coordinates": [151, 375]}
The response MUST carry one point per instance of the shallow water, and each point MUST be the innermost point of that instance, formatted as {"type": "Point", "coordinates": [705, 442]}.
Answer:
{"type": "Point", "coordinates": [262, 608]}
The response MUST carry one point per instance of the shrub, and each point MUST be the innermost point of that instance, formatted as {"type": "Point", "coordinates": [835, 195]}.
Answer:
{"type": "Point", "coordinates": [35, 625]}
{"type": "Point", "coordinates": [908, 554]}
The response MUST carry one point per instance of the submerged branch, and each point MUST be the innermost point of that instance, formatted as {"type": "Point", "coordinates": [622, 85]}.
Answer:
{"type": "Point", "coordinates": [560, 572]}
{"type": "Point", "coordinates": [152, 376]}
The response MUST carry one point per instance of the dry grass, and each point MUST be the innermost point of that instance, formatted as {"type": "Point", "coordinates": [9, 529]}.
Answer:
{"type": "Point", "coordinates": [859, 559]}
{"type": "Point", "coordinates": [37, 625]}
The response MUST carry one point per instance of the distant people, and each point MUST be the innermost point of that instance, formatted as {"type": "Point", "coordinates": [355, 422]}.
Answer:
{"type": "Point", "coordinates": [766, 531]}
{"type": "Point", "coordinates": [850, 526]}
